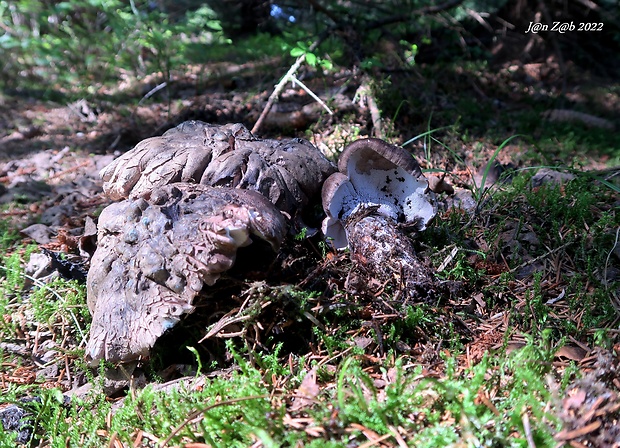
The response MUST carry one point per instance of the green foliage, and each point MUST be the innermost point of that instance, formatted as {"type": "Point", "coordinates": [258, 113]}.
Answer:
{"type": "Point", "coordinates": [333, 343]}
{"type": "Point", "coordinates": [14, 274]}
{"type": "Point", "coordinates": [535, 311]}
{"type": "Point", "coordinates": [58, 296]}
{"type": "Point", "coordinates": [62, 301]}
{"type": "Point", "coordinates": [523, 391]}
{"type": "Point", "coordinates": [83, 43]}
{"type": "Point", "coordinates": [233, 410]}
{"type": "Point", "coordinates": [410, 52]}
{"type": "Point", "coordinates": [480, 190]}
{"type": "Point", "coordinates": [416, 319]}
{"type": "Point", "coordinates": [256, 46]}
{"type": "Point", "coordinates": [576, 221]}
{"type": "Point", "coordinates": [311, 58]}
{"type": "Point", "coordinates": [461, 269]}
{"type": "Point", "coordinates": [302, 235]}
{"type": "Point", "coordinates": [425, 410]}
{"type": "Point", "coordinates": [8, 236]}
{"type": "Point", "coordinates": [270, 362]}
{"type": "Point", "coordinates": [228, 423]}
{"type": "Point", "coordinates": [10, 287]}
{"type": "Point", "coordinates": [59, 306]}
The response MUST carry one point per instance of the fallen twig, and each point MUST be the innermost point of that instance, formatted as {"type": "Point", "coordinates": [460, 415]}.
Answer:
{"type": "Point", "coordinates": [294, 80]}
{"type": "Point", "coordinates": [289, 76]}
{"type": "Point", "coordinates": [153, 91]}
{"type": "Point", "coordinates": [365, 93]}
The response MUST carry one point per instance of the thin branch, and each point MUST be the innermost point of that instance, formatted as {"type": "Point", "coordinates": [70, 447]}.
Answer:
{"type": "Point", "coordinates": [295, 80]}
{"type": "Point", "coordinates": [276, 92]}
{"type": "Point", "coordinates": [198, 412]}
{"type": "Point", "coordinates": [280, 86]}
{"type": "Point", "coordinates": [153, 91]}
{"type": "Point", "coordinates": [541, 257]}
{"type": "Point", "coordinates": [613, 248]}
{"type": "Point", "coordinates": [528, 430]}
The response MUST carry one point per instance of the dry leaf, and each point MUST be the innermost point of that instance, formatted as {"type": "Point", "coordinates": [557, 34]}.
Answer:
{"type": "Point", "coordinates": [306, 392]}
{"type": "Point", "coordinates": [572, 352]}
{"type": "Point", "coordinates": [576, 400]}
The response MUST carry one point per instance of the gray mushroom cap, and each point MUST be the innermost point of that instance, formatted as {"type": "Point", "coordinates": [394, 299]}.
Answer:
{"type": "Point", "coordinates": [193, 196]}
{"type": "Point", "coordinates": [288, 172]}
{"type": "Point", "coordinates": [375, 174]}
{"type": "Point", "coordinates": [181, 154]}
{"type": "Point", "coordinates": [156, 252]}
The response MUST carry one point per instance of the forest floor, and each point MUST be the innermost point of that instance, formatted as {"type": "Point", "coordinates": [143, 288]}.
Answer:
{"type": "Point", "coordinates": [537, 261]}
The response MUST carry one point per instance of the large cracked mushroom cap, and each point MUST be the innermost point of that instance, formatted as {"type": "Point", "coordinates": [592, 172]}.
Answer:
{"type": "Point", "coordinates": [288, 172]}
{"type": "Point", "coordinates": [192, 197]}
{"type": "Point", "coordinates": [156, 252]}
{"type": "Point", "coordinates": [375, 175]}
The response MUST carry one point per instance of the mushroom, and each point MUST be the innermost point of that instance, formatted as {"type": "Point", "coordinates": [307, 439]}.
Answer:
{"type": "Point", "coordinates": [192, 197]}
{"type": "Point", "coordinates": [156, 252]}
{"type": "Point", "coordinates": [288, 172]}
{"type": "Point", "coordinates": [378, 193]}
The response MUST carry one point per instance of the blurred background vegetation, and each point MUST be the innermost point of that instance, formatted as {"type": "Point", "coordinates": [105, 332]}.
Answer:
{"type": "Point", "coordinates": [83, 44]}
{"type": "Point", "coordinates": [465, 62]}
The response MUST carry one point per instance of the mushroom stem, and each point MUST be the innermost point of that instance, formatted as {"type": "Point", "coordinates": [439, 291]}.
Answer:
{"type": "Point", "coordinates": [383, 255]}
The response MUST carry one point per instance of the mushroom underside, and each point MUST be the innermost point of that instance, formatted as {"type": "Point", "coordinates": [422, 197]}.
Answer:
{"type": "Point", "coordinates": [368, 181]}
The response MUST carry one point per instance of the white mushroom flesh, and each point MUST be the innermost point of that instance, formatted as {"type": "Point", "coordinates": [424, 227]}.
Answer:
{"type": "Point", "coordinates": [399, 195]}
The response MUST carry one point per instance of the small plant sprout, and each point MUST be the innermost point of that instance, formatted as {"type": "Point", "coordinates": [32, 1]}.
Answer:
{"type": "Point", "coordinates": [480, 190]}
